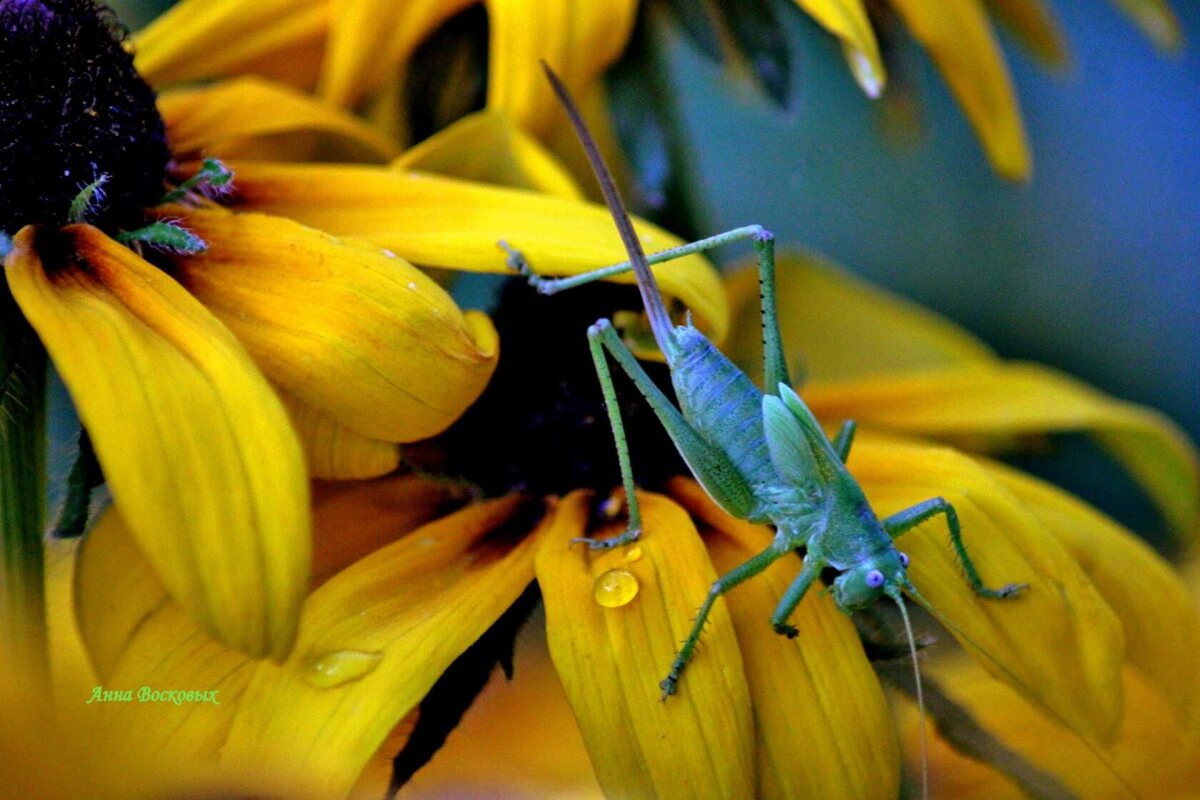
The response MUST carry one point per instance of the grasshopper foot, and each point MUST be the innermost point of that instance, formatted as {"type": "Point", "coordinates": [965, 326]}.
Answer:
{"type": "Point", "coordinates": [628, 537]}
{"type": "Point", "coordinates": [783, 629]}
{"type": "Point", "coordinates": [668, 685]}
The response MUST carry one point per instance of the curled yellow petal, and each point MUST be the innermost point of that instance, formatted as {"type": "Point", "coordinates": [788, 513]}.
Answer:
{"type": "Point", "coordinates": [1027, 398]}
{"type": "Point", "coordinates": [960, 41]}
{"type": "Point", "coordinates": [577, 38]}
{"type": "Point", "coordinates": [847, 20]}
{"type": "Point", "coordinates": [373, 640]}
{"type": "Point", "coordinates": [1156, 19]}
{"type": "Point", "coordinates": [197, 39]}
{"type": "Point", "coordinates": [333, 451]}
{"type": "Point", "coordinates": [352, 331]}
{"type": "Point", "coordinates": [212, 119]}
{"type": "Point", "coordinates": [196, 448]}
{"type": "Point", "coordinates": [822, 723]}
{"type": "Point", "coordinates": [488, 147]}
{"type": "Point", "coordinates": [1057, 643]}
{"type": "Point", "coordinates": [442, 222]}
{"type": "Point", "coordinates": [699, 742]}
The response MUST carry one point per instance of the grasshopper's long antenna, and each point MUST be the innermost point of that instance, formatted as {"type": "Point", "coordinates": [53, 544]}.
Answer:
{"type": "Point", "coordinates": [660, 320]}
{"type": "Point", "coordinates": [912, 649]}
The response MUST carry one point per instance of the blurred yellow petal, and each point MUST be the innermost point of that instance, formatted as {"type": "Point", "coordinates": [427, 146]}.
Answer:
{"type": "Point", "coordinates": [71, 672]}
{"type": "Point", "coordinates": [822, 723]}
{"type": "Point", "coordinates": [1021, 399]}
{"type": "Point", "coordinates": [208, 119]}
{"type": "Point", "coordinates": [699, 742]}
{"type": "Point", "coordinates": [959, 38]}
{"type": "Point", "coordinates": [196, 448]}
{"type": "Point", "coordinates": [197, 39]}
{"type": "Point", "coordinates": [333, 451]}
{"type": "Point", "coordinates": [837, 326]}
{"type": "Point", "coordinates": [1058, 642]}
{"type": "Point", "coordinates": [1156, 19]}
{"type": "Point", "coordinates": [350, 330]}
{"type": "Point", "coordinates": [847, 20]}
{"type": "Point", "coordinates": [1157, 613]}
{"type": "Point", "coordinates": [370, 39]}
{"type": "Point", "coordinates": [577, 38]}
{"type": "Point", "coordinates": [373, 640]}
{"type": "Point", "coordinates": [442, 222]}
{"type": "Point", "coordinates": [1154, 758]}
{"type": "Point", "coordinates": [1033, 24]}
{"type": "Point", "coordinates": [487, 147]}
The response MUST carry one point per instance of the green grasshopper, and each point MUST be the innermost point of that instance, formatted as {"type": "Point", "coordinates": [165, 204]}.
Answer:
{"type": "Point", "coordinates": [761, 455]}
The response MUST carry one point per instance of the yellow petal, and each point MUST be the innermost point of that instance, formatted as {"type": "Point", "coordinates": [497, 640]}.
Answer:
{"type": "Point", "coordinates": [370, 39]}
{"type": "Point", "coordinates": [960, 41]}
{"type": "Point", "coordinates": [1034, 26]}
{"type": "Point", "coordinates": [1156, 19]}
{"type": "Point", "coordinates": [71, 672]}
{"type": "Point", "coordinates": [441, 222]}
{"type": "Point", "coordinates": [373, 640]}
{"type": "Point", "coordinates": [822, 723]}
{"type": "Point", "coordinates": [1057, 643]}
{"type": "Point", "coordinates": [352, 331]}
{"type": "Point", "coordinates": [1157, 613]}
{"type": "Point", "coordinates": [1021, 399]}
{"type": "Point", "coordinates": [197, 39]}
{"type": "Point", "coordinates": [847, 20]}
{"type": "Point", "coordinates": [487, 147]}
{"type": "Point", "coordinates": [196, 448]}
{"type": "Point", "coordinates": [333, 451]}
{"type": "Point", "coordinates": [837, 326]}
{"type": "Point", "coordinates": [215, 118]}
{"type": "Point", "coordinates": [611, 659]}
{"type": "Point", "coordinates": [577, 38]}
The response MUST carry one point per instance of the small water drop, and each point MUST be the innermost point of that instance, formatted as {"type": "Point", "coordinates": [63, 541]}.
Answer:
{"type": "Point", "coordinates": [634, 553]}
{"type": "Point", "coordinates": [340, 667]}
{"type": "Point", "coordinates": [615, 588]}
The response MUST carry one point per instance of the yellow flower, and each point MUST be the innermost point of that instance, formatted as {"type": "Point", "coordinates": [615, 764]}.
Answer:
{"type": "Point", "coordinates": [756, 714]}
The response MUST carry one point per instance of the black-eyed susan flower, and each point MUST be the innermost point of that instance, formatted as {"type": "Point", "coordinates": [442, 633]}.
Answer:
{"type": "Point", "coordinates": [419, 583]}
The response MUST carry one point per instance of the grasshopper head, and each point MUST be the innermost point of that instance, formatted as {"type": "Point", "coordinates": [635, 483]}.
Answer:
{"type": "Point", "coordinates": [879, 574]}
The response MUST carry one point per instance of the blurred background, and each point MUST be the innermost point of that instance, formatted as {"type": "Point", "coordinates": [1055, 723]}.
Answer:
{"type": "Point", "coordinates": [1092, 267]}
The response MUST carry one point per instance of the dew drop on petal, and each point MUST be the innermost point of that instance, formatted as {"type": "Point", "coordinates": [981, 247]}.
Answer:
{"type": "Point", "coordinates": [615, 588]}
{"type": "Point", "coordinates": [634, 553]}
{"type": "Point", "coordinates": [340, 667]}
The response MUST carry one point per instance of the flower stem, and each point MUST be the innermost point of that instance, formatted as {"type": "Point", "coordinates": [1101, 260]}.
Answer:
{"type": "Point", "coordinates": [22, 484]}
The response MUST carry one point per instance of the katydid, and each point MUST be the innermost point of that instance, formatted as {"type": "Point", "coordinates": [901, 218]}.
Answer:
{"type": "Point", "coordinates": [761, 455]}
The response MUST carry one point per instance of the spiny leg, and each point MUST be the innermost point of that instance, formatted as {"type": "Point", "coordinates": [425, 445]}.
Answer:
{"type": "Point", "coordinates": [722, 585]}
{"type": "Point", "coordinates": [909, 518]}
{"type": "Point", "coordinates": [792, 597]}
{"type": "Point", "coordinates": [845, 438]}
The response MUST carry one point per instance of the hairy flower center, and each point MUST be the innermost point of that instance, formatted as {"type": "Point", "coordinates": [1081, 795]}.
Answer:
{"type": "Point", "coordinates": [541, 425]}
{"type": "Point", "coordinates": [73, 111]}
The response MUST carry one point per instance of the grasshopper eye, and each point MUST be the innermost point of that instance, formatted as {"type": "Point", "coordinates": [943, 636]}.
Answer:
{"type": "Point", "coordinates": [874, 579]}
{"type": "Point", "coordinates": [904, 560]}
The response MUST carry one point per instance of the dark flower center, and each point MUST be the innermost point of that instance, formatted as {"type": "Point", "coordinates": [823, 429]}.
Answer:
{"type": "Point", "coordinates": [73, 111]}
{"type": "Point", "coordinates": [541, 426]}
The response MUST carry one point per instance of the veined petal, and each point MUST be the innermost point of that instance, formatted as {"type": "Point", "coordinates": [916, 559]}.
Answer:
{"type": "Point", "coordinates": [577, 38]}
{"type": "Point", "coordinates": [1057, 643]}
{"type": "Point", "coordinates": [355, 332]}
{"type": "Point", "coordinates": [198, 39]}
{"type": "Point", "coordinates": [838, 326]}
{"type": "Point", "coordinates": [370, 39]}
{"type": "Point", "coordinates": [215, 118]}
{"type": "Point", "coordinates": [1027, 398]}
{"type": "Point", "coordinates": [373, 640]}
{"type": "Point", "coordinates": [442, 222]}
{"type": "Point", "coordinates": [960, 41]}
{"type": "Point", "coordinates": [1034, 26]}
{"type": "Point", "coordinates": [333, 451]}
{"type": "Point", "coordinates": [1156, 19]}
{"type": "Point", "coordinates": [194, 444]}
{"type": "Point", "coordinates": [1157, 612]}
{"type": "Point", "coordinates": [611, 659]}
{"type": "Point", "coordinates": [822, 722]}
{"type": "Point", "coordinates": [847, 20]}
{"type": "Point", "coordinates": [487, 147]}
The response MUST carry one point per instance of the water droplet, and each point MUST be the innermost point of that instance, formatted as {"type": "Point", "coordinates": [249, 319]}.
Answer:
{"type": "Point", "coordinates": [615, 588]}
{"type": "Point", "coordinates": [634, 553]}
{"type": "Point", "coordinates": [343, 666]}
